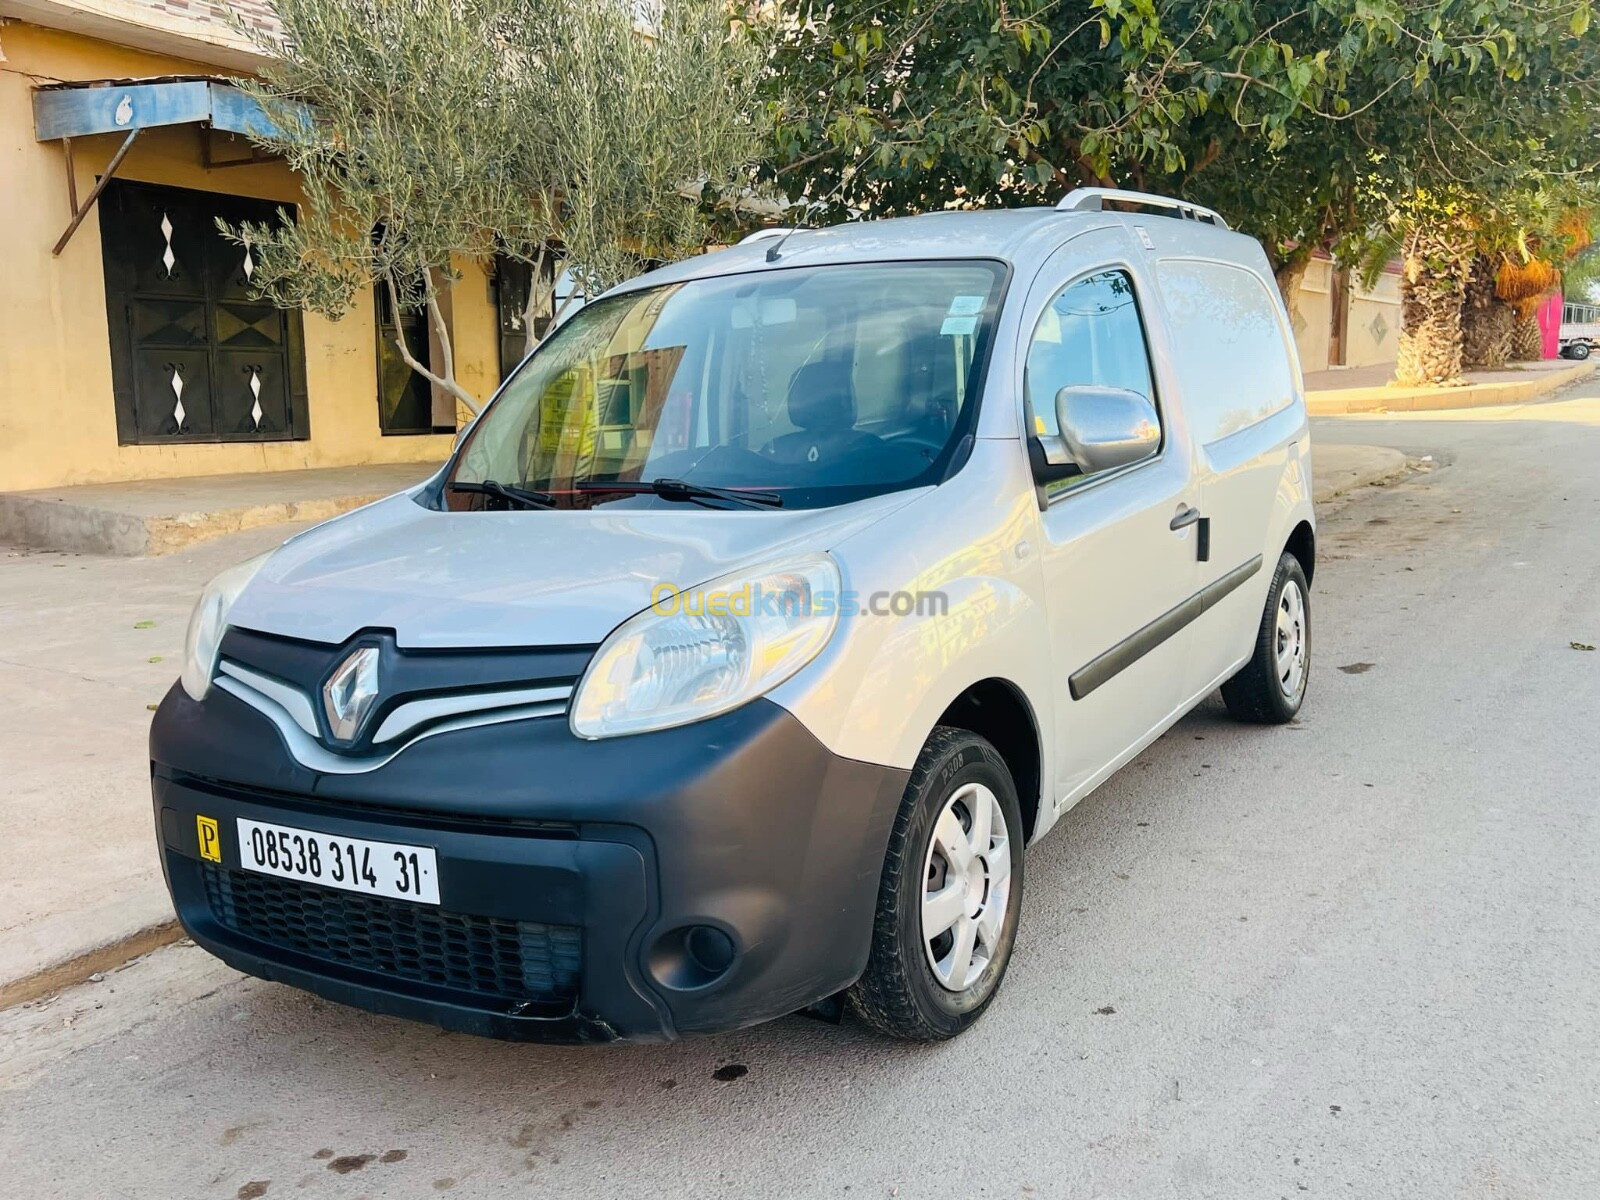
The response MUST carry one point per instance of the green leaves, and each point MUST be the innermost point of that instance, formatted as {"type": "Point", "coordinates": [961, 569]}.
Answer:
{"type": "Point", "coordinates": [1295, 120]}
{"type": "Point", "coordinates": [449, 129]}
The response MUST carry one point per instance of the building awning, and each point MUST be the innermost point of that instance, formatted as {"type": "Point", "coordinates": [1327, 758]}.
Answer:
{"type": "Point", "coordinates": [69, 110]}
{"type": "Point", "coordinates": [63, 111]}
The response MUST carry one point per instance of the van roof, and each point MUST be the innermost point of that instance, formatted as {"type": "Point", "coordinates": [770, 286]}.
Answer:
{"type": "Point", "coordinates": [1010, 235]}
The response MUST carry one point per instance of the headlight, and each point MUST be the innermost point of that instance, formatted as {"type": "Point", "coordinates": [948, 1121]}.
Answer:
{"type": "Point", "coordinates": [697, 653]}
{"type": "Point", "coordinates": [209, 622]}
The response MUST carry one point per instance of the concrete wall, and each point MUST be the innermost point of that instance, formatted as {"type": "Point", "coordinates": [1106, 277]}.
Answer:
{"type": "Point", "coordinates": [476, 328]}
{"type": "Point", "coordinates": [1373, 335]}
{"type": "Point", "coordinates": [1373, 325]}
{"type": "Point", "coordinates": [57, 422]}
{"type": "Point", "coordinates": [1313, 315]}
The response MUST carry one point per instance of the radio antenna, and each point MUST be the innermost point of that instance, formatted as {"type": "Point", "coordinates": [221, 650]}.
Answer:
{"type": "Point", "coordinates": [774, 249]}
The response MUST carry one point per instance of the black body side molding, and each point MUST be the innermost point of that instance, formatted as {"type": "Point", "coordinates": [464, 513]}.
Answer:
{"type": "Point", "coordinates": [1136, 645]}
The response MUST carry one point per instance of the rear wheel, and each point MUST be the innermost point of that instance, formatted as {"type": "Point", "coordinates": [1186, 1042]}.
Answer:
{"type": "Point", "coordinates": [950, 894]}
{"type": "Point", "coordinates": [1272, 686]}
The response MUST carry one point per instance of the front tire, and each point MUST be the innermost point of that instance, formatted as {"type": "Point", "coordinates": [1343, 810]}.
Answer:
{"type": "Point", "coordinates": [1578, 351]}
{"type": "Point", "coordinates": [949, 896]}
{"type": "Point", "coordinates": [1272, 686]}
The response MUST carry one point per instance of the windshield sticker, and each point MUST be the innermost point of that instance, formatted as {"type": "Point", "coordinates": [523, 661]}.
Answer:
{"type": "Point", "coordinates": [957, 326]}
{"type": "Point", "coordinates": [966, 306]}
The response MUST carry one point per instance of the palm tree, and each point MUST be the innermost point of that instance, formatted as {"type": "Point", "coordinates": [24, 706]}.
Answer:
{"type": "Point", "coordinates": [1542, 261]}
{"type": "Point", "coordinates": [1437, 249]}
{"type": "Point", "coordinates": [1488, 323]}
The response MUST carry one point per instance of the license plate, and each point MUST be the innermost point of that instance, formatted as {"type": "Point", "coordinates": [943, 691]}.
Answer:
{"type": "Point", "coordinates": [374, 868]}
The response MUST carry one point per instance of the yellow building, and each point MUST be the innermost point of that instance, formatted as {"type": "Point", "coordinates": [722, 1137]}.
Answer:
{"type": "Point", "coordinates": [132, 349]}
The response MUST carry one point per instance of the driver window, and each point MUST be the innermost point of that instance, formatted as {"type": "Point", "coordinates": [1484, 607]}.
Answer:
{"type": "Point", "coordinates": [1090, 334]}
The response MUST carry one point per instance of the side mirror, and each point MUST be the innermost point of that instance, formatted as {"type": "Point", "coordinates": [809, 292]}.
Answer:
{"type": "Point", "coordinates": [1106, 427]}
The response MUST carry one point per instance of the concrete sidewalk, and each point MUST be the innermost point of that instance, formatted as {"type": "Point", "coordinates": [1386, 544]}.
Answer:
{"type": "Point", "coordinates": [88, 645]}
{"type": "Point", "coordinates": [1367, 389]}
{"type": "Point", "coordinates": [162, 516]}
{"type": "Point", "coordinates": [1337, 470]}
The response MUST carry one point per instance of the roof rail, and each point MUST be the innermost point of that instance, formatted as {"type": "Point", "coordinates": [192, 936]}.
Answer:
{"type": "Point", "coordinates": [762, 235]}
{"type": "Point", "coordinates": [1093, 200]}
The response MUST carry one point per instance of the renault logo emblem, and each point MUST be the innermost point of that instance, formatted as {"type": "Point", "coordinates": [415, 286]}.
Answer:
{"type": "Point", "coordinates": [350, 693]}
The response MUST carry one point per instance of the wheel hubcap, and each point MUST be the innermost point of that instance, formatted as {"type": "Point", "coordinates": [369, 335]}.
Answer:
{"type": "Point", "coordinates": [967, 886]}
{"type": "Point", "coordinates": [1291, 640]}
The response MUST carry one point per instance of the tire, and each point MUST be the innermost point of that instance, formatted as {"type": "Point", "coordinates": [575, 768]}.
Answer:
{"type": "Point", "coordinates": [1268, 691]}
{"type": "Point", "coordinates": [1578, 351]}
{"type": "Point", "coordinates": [902, 994]}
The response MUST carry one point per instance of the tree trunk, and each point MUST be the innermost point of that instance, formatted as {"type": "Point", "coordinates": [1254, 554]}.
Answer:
{"type": "Point", "coordinates": [1527, 339]}
{"type": "Point", "coordinates": [539, 293]}
{"type": "Point", "coordinates": [1435, 264]}
{"type": "Point", "coordinates": [1487, 322]}
{"type": "Point", "coordinates": [1290, 276]}
{"type": "Point", "coordinates": [448, 380]}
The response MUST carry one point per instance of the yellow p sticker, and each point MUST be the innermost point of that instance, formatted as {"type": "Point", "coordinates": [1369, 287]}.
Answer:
{"type": "Point", "coordinates": [210, 841]}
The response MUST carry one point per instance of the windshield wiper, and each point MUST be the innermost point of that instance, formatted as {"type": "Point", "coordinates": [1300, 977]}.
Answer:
{"type": "Point", "coordinates": [504, 491]}
{"type": "Point", "coordinates": [682, 490]}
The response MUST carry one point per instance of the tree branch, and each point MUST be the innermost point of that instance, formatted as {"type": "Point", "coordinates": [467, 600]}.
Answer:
{"type": "Point", "coordinates": [536, 292]}
{"type": "Point", "coordinates": [448, 384]}
{"type": "Point", "coordinates": [443, 330]}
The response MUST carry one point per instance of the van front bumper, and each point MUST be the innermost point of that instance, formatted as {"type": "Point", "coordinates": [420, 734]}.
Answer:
{"type": "Point", "coordinates": [685, 881]}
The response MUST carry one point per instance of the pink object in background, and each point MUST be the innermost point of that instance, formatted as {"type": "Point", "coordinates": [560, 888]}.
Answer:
{"type": "Point", "coordinates": [1550, 325]}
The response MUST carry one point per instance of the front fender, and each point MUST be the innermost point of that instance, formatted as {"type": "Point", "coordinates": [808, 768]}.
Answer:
{"type": "Point", "coordinates": [881, 685]}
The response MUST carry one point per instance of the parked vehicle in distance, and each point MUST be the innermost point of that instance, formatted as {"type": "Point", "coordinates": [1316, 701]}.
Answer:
{"type": "Point", "coordinates": [777, 601]}
{"type": "Point", "coordinates": [1580, 330]}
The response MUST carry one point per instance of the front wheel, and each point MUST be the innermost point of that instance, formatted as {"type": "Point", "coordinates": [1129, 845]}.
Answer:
{"type": "Point", "coordinates": [950, 894]}
{"type": "Point", "coordinates": [1272, 685]}
{"type": "Point", "coordinates": [1578, 350]}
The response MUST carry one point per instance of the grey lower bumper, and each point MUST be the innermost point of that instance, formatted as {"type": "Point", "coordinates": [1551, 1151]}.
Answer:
{"type": "Point", "coordinates": [744, 825]}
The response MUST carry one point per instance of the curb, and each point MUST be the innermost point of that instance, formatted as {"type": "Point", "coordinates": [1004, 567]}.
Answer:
{"type": "Point", "coordinates": [50, 524]}
{"type": "Point", "coordinates": [1343, 401]}
{"type": "Point", "coordinates": [79, 968]}
{"type": "Point", "coordinates": [1333, 482]}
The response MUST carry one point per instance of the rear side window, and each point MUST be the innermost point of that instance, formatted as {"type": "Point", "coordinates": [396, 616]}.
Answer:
{"type": "Point", "coordinates": [1090, 334]}
{"type": "Point", "coordinates": [1229, 344]}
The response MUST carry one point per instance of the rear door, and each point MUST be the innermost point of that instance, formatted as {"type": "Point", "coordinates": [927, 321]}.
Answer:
{"type": "Point", "coordinates": [1115, 570]}
{"type": "Point", "coordinates": [1241, 394]}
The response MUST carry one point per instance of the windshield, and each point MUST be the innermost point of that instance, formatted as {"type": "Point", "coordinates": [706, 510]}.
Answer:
{"type": "Point", "coordinates": [816, 385]}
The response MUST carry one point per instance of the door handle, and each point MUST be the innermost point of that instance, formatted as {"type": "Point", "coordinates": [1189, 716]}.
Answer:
{"type": "Point", "coordinates": [1190, 515]}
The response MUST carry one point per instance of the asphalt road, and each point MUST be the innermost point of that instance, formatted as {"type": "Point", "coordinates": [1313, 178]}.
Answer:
{"type": "Point", "coordinates": [1355, 957]}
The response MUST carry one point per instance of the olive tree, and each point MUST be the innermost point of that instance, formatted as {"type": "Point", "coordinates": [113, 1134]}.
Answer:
{"type": "Point", "coordinates": [633, 133]}
{"type": "Point", "coordinates": [428, 132]}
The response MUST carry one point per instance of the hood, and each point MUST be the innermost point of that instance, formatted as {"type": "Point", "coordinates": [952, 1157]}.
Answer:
{"type": "Point", "coordinates": [544, 578]}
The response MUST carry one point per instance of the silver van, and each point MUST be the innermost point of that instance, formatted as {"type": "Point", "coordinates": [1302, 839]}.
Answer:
{"type": "Point", "coordinates": [777, 601]}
